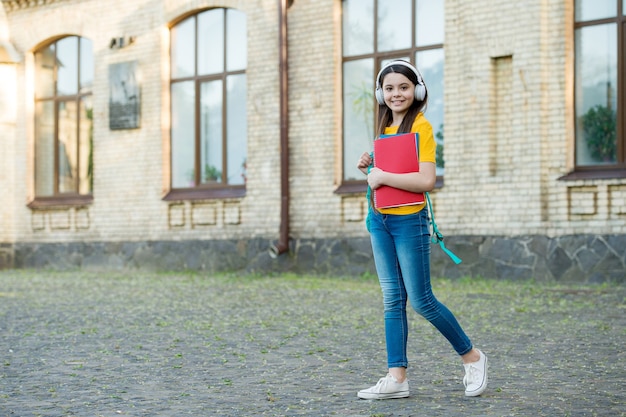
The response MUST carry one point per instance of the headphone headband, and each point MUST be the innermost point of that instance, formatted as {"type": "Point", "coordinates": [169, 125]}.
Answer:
{"type": "Point", "coordinates": [404, 63]}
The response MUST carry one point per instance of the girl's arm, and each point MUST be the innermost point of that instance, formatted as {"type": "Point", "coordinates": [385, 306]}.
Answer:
{"type": "Point", "coordinates": [416, 182]}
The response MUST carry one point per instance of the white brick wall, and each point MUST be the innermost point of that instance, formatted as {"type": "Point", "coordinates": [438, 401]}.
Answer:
{"type": "Point", "coordinates": [534, 147]}
{"type": "Point", "coordinates": [10, 160]}
{"type": "Point", "coordinates": [7, 153]}
{"type": "Point", "coordinates": [508, 127]}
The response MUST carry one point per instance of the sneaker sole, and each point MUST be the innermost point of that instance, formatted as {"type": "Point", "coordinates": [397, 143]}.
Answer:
{"type": "Point", "coordinates": [368, 396]}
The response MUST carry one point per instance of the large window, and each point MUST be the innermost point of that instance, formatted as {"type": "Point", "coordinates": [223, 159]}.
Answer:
{"type": "Point", "coordinates": [600, 128]}
{"type": "Point", "coordinates": [374, 32]}
{"type": "Point", "coordinates": [63, 121]}
{"type": "Point", "coordinates": [208, 91]}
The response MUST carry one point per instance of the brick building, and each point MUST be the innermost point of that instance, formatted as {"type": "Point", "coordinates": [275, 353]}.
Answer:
{"type": "Point", "coordinates": [223, 135]}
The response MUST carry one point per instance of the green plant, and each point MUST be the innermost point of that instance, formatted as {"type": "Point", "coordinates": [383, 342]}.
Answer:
{"type": "Point", "coordinates": [439, 151]}
{"type": "Point", "coordinates": [90, 157]}
{"type": "Point", "coordinates": [599, 127]}
{"type": "Point", "coordinates": [211, 173]}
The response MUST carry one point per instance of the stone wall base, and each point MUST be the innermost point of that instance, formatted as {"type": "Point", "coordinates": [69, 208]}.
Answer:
{"type": "Point", "coordinates": [6, 255]}
{"type": "Point", "coordinates": [576, 258]}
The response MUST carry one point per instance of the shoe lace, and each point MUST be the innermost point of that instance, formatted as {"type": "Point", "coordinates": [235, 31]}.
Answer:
{"type": "Point", "coordinates": [382, 382]}
{"type": "Point", "coordinates": [472, 374]}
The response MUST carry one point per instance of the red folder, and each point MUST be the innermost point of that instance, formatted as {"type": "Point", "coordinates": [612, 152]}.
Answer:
{"type": "Point", "coordinates": [398, 154]}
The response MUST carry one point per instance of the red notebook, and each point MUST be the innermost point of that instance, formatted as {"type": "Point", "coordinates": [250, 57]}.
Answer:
{"type": "Point", "coordinates": [398, 154]}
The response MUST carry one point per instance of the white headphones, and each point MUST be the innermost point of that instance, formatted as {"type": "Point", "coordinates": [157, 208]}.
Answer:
{"type": "Point", "coordinates": [420, 87]}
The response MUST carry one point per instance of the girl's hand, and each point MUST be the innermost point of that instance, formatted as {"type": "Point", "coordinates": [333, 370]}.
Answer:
{"type": "Point", "coordinates": [364, 162]}
{"type": "Point", "coordinates": [375, 178]}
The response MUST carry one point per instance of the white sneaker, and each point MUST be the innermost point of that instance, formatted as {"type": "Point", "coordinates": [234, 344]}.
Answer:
{"type": "Point", "coordinates": [475, 379]}
{"type": "Point", "coordinates": [386, 388]}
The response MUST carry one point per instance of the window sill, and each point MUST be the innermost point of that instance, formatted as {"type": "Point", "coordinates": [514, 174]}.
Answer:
{"type": "Point", "coordinates": [597, 174]}
{"type": "Point", "coordinates": [200, 193]}
{"type": "Point", "coordinates": [351, 187]}
{"type": "Point", "coordinates": [60, 202]}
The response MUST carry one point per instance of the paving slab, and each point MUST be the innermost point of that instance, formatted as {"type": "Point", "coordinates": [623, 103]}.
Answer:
{"type": "Point", "coordinates": [127, 343]}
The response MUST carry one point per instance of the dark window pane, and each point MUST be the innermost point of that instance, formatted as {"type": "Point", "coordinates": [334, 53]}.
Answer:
{"type": "Point", "coordinates": [394, 25]}
{"type": "Point", "coordinates": [211, 129]}
{"type": "Point", "coordinates": [184, 49]}
{"type": "Point", "coordinates": [85, 140]}
{"type": "Point", "coordinates": [358, 27]}
{"type": "Point", "coordinates": [86, 65]}
{"type": "Point", "coordinates": [595, 9]}
{"type": "Point", "coordinates": [67, 64]}
{"type": "Point", "coordinates": [44, 148]}
{"type": "Point", "coordinates": [430, 64]}
{"type": "Point", "coordinates": [44, 72]}
{"type": "Point", "coordinates": [237, 128]}
{"type": "Point", "coordinates": [430, 22]}
{"type": "Point", "coordinates": [183, 134]}
{"type": "Point", "coordinates": [358, 113]}
{"type": "Point", "coordinates": [596, 94]}
{"type": "Point", "coordinates": [68, 147]}
{"type": "Point", "coordinates": [236, 40]}
{"type": "Point", "coordinates": [211, 42]}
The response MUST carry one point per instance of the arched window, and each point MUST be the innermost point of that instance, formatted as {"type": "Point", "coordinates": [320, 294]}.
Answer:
{"type": "Point", "coordinates": [599, 85]}
{"type": "Point", "coordinates": [374, 32]}
{"type": "Point", "coordinates": [208, 104]}
{"type": "Point", "coordinates": [64, 74]}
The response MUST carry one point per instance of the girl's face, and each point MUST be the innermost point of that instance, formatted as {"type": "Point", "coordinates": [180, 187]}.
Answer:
{"type": "Point", "coordinates": [399, 92]}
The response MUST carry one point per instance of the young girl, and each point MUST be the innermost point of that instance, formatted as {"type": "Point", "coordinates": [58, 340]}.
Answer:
{"type": "Point", "coordinates": [401, 239]}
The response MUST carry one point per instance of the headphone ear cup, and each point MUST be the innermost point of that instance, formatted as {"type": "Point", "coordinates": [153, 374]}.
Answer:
{"type": "Point", "coordinates": [420, 92]}
{"type": "Point", "coordinates": [380, 96]}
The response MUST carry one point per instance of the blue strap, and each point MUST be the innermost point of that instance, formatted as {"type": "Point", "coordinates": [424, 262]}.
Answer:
{"type": "Point", "coordinates": [437, 237]}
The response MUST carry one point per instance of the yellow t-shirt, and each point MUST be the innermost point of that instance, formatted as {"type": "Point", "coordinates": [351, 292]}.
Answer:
{"type": "Point", "coordinates": [427, 153]}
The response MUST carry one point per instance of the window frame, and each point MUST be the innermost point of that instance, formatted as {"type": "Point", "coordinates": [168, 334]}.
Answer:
{"type": "Point", "coordinates": [63, 199]}
{"type": "Point", "coordinates": [359, 186]}
{"type": "Point", "coordinates": [618, 169]}
{"type": "Point", "coordinates": [206, 190]}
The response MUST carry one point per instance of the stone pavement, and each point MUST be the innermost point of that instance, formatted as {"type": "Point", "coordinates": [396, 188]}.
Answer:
{"type": "Point", "coordinates": [187, 344]}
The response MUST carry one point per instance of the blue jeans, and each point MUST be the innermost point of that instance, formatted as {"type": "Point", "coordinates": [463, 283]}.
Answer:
{"type": "Point", "coordinates": [401, 246]}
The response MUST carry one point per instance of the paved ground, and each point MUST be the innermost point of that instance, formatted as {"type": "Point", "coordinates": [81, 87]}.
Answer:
{"type": "Point", "coordinates": [147, 344]}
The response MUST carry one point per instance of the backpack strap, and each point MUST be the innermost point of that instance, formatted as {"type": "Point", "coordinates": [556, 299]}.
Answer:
{"type": "Point", "coordinates": [436, 236]}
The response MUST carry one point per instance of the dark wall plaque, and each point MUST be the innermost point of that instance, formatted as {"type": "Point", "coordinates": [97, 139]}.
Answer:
{"type": "Point", "coordinates": [124, 98]}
